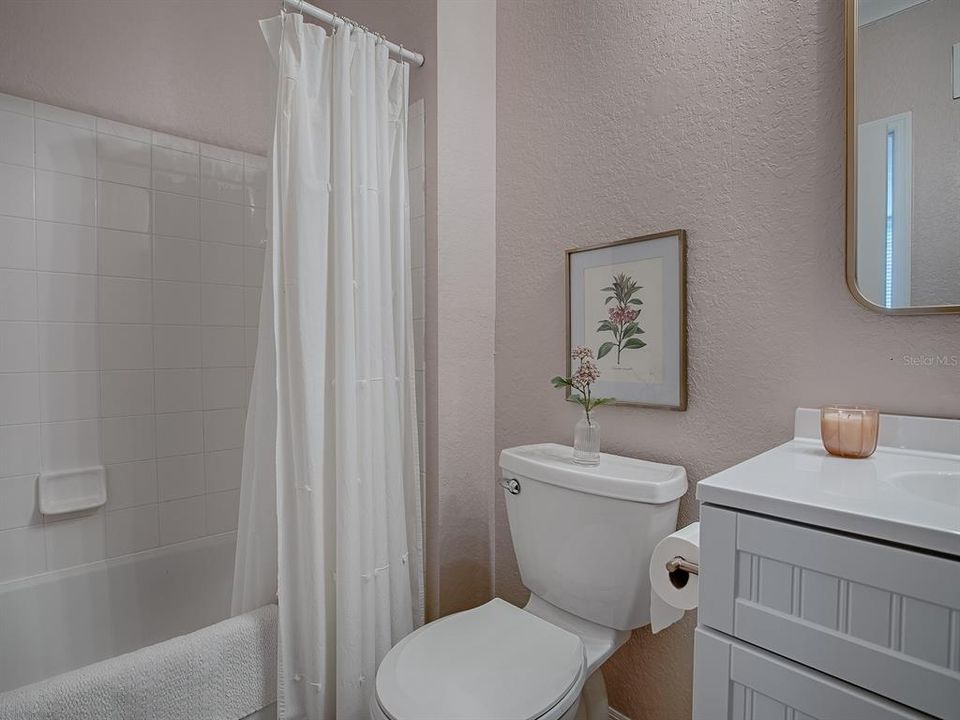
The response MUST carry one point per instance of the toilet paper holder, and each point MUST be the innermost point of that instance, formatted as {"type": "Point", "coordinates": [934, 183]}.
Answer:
{"type": "Point", "coordinates": [681, 563]}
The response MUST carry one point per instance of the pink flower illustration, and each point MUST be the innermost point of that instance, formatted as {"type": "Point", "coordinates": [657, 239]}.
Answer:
{"type": "Point", "coordinates": [621, 317]}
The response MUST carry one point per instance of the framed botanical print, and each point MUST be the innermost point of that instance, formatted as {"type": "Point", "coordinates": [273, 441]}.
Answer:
{"type": "Point", "coordinates": [626, 301]}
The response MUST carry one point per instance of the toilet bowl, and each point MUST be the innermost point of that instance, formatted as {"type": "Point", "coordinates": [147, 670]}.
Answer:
{"type": "Point", "coordinates": [495, 661]}
{"type": "Point", "coordinates": [583, 539]}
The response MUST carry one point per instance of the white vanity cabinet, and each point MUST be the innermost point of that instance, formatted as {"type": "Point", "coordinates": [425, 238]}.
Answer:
{"type": "Point", "coordinates": [877, 617]}
{"type": "Point", "coordinates": [800, 617]}
{"type": "Point", "coordinates": [741, 682]}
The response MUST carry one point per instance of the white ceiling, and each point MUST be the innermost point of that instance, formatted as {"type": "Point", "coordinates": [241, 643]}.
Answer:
{"type": "Point", "coordinates": [869, 11]}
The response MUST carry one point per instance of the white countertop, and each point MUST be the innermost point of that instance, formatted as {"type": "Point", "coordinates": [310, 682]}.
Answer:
{"type": "Point", "coordinates": [902, 495]}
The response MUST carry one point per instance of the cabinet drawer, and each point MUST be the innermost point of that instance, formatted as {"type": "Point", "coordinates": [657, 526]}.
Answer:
{"type": "Point", "coordinates": [879, 617]}
{"type": "Point", "coordinates": [733, 681]}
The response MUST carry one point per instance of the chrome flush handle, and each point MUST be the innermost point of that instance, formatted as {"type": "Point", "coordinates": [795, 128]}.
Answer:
{"type": "Point", "coordinates": [511, 485]}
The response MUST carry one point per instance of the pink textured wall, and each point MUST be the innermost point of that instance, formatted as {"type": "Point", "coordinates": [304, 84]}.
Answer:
{"type": "Point", "coordinates": [725, 118]}
{"type": "Point", "coordinates": [196, 69]}
{"type": "Point", "coordinates": [466, 313]}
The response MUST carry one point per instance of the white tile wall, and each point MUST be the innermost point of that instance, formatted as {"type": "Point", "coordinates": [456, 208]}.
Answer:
{"type": "Point", "coordinates": [16, 190]}
{"type": "Point", "coordinates": [132, 530]}
{"type": "Point", "coordinates": [124, 207]}
{"type": "Point", "coordinates": [69, 396]}
{"type": "Point", "coordinates": [67, 297]}
{"type": "Point", "coordinates": [19, 398]}
{"type": "Point", "coordinates": [75, 541]}
{"type": "Point", "coordinates": [179, 390]}
{"type": "Point", "coordinates": [124, 254]}
{"type": "Point", "coordinates": [131, 484]}
{"type": "Point", "coordinates": [221, 180]}
{"type": "Point", "coordinates": [182, 519]}
{"type": "Point", "coordinates": [176, 171]}
{"type": "Point", "coordinates": [177, 347]}
{"type": "Point", "coordinates": [66, 248]}
{"type": "Point", "coordinates": [66, 198]}
{"type": "Point", "coordinates": [22, 552]}
{"type": "Point", "coordinates": [130, 273]}
{"type": "Point", "coordinates": [128, 438]}
{"type": "Point", "coordinates": [126, 347]}
{"type": "Point", "coordinates": [125, 300]}
{"type": "Point", "coordinates": [16, 139]}
{"type": "Point", "coordinates": [20, 506]}
{"type": "Point", "coordinates": [176, 215]}
{"type": "Point", "coordinates": [130, 266]}
{"type": "Point", "coordinates": [126, 392]}
{"type": "Point", "coordinates": [176, 259]}
{"type": "Point", "coordinates": [67, 117]}
{"type": "Point", "coordinates": [18, 295]}
{"type": "Point", "coordinates": [222, 510]}
{"type": "Point", "coordinates": [17, 243]}
{"type": "Point", "coordinates": [123, 160]}
{"type": "Point", "coordinates": [416, 165]}
{"type": "Point", "coordinates": [69, 445]}
{"type": "Point", "coordinates": [65, 148]}
{"type": "Point", "coordinates": [181, 476]}
{"type": "Point", "coordinates": [222, 469]}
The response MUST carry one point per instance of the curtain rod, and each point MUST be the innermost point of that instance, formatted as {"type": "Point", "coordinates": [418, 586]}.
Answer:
{"type": "Point", "coordinates": [336, 20]}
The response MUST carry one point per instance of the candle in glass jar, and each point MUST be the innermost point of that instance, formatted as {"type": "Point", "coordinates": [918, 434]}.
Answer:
{"type": "Point", "coordinates": [849, 432]}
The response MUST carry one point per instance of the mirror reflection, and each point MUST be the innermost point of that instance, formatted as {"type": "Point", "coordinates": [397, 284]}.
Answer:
{"type": "Point", "coordinates": [908, 152]}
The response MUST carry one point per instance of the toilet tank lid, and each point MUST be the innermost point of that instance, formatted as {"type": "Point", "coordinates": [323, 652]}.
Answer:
{"type": "Point", "coordinates": [616, 477]}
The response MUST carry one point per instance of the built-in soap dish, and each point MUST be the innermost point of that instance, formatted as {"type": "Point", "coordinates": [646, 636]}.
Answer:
{"type": "Point", "coordinates": [73, 491]}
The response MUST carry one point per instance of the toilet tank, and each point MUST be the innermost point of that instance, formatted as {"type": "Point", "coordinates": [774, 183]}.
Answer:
{"type": "Point", "coordinates": [583, 535]}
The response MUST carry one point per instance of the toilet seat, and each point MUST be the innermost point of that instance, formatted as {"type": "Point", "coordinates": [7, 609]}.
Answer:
{"type": "Point", "coordinates": [495, 662]}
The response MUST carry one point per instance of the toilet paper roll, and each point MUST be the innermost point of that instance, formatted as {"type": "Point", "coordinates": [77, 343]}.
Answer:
{"type": "Point", "coordinates": [671, 594]}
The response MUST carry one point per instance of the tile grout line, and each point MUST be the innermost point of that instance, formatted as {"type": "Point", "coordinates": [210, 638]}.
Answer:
{"type": "Point", "coordinates": [36, 262]}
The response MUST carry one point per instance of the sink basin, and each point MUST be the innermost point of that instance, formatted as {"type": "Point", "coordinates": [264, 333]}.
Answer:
{"type": "Point", "coordinates": [907, 492]}
{"type": "Point", "coordinates": [938, 487]}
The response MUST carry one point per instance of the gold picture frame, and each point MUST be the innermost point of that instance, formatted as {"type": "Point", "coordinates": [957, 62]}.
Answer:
{"type": "Point", "coordinates": [850, 215]}
{"type": "Point", "coordinates": [670, 249]}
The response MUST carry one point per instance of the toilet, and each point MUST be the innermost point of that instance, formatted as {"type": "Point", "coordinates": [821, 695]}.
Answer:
{"type": "Point", "coordinates": [583, 536]}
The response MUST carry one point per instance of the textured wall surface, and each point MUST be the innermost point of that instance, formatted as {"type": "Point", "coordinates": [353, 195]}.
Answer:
{"type": "Point", "coordinates": [617, 119]}
{"type": "Point", "coordinates": [466, 313]}
{"type": "Point", "coordinates": [195, 69]}
{"type": "Point", "coordinates": [905, 63]}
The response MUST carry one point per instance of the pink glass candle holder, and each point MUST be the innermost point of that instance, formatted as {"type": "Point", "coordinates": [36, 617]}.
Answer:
{"type": "Point", "coordinates": [849, 432]}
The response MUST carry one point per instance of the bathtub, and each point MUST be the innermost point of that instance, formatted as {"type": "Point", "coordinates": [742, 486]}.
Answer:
{"type": "Point", "coordinates": [63, 620]}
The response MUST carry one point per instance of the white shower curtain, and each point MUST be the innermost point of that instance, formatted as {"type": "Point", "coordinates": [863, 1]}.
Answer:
{"type": "Point", "coordinates": [330, 497]}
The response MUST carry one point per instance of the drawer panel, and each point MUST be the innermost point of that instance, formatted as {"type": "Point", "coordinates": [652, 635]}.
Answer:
{"type": "Point", "coordinates": [734, 681]}
{"type": "Point", "coordinates": [880, 617]}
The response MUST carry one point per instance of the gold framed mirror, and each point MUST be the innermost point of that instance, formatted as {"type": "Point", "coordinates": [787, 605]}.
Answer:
{"type": "Point", "coordinates": [903, 155]}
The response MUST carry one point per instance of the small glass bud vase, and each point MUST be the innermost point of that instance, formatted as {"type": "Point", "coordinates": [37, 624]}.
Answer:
{"type": "Point", "coordinates": [586, 442]}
